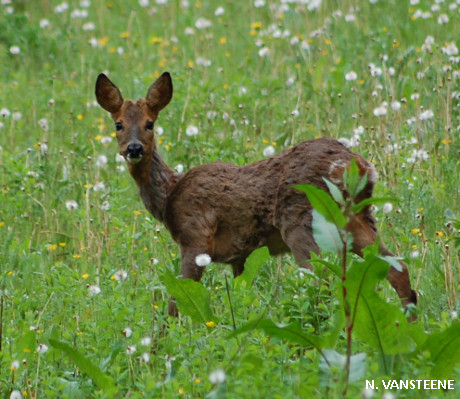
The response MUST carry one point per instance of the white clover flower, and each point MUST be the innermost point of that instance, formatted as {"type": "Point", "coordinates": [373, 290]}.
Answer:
{"type": "Point", "coordinates": [94, 290]}
{"type": "Point", "coordinates": [268, 151]}
{"type": "Point", "coordinates": [121, 275]}
{"type": "Point", "coordinates": [219, 11]}
{"type": "Point", "coordinates": [453, 314]}
{"type": "Point", "coordinates": [191, 131]}
{"type": "Point", "coordinates": [217, 376]}
{"type": "Point", "coordinates": [395, 105]}
{"type": "Point", "coordinates": [15, 365]}
{"type": "Point", "coordinates": [15, 50]}
{"type": "Point", "coordinates": [350, 76]}
{"type": "Point", "coordinates": [106, 140]}
{"type": "Point", "coordinates": [203, 23]}
{"type": "Point", "coordinates": [71, 205]}
{"type": "Point", "coordinates": [264, 52]}
{"type": "Point", "coordinates": [88, 26]}
{"type": "Point", "coordinates": [16, 394]}
{"type": "Point", "coordinates": [428, 114]}
{"type": "Point", "coordinates": [42, 349]}
{"type": "Point", "coordinates": [44, 124]}
{"type": "Point", "coordinates": [146, 341]}
{"type": "Point", "coordinates": [387, 207]}
{"type": "Point", "coordinates": [44, 23]}
{"type": "Point", "coordinates": [131, 349]}
{"type": "Point", "coordinates": [61, 8]}
{"type": "Point", "coordinates": [127, 332]}
{"type": "Point", "coordinates": [101, 161]}
{"type": "Point", "coordinates": [450, 49]}
{"type": "Point", "coordinates": [202, 260]}
{"type": "Point", "coordinates": [5, 113]}
{"type": "Point", "coordinates": [380, 111]}
{"type": "Point", "coordinates": [443, 19]}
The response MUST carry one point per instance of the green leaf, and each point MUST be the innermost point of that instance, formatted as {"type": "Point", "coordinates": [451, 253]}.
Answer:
{"type": "Point", "coordinates": [102, 380]}
{"type": "Point", "coordinates": [376, 322]}
{"type": "Point", "coordinates": [192, 298]}
{"type": "Point", "coordinates": [251, 268]}
{"type": "Point", "coordinates": [336, 360]}
{"type": "Point", "coordinates": [371, 201]}
{"type": "Point", "coordinates": [323, 203]}
{"type": "Point", "coordinates": [392, 261]}
{"type": "Point", "coordinates": [336, 193]}
{"type": "Point", "coordinates": [290, 332]}
{"type": "Point", "coordinates": [444, 348]}
{"type": "Point", "coordinates": [326, 234]}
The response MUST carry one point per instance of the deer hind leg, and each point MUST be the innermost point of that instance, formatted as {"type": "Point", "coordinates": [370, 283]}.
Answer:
{"type": "Point", "coordinates": [362, 226]}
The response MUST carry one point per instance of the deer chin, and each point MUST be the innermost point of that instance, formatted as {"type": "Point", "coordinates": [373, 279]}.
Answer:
{"type": "Point", "coordinates": [132, 160]}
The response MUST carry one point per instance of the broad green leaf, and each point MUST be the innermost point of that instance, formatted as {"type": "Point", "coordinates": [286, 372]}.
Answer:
{"type": "Point", "coordinates": [354, 183]}
{"type": "Point", "coordinates": [336, 193]}
{"type": "Point", "coordinates": [192, 298]}
{"type": "Point", "coordinates": [290, 332]}
{"type": "Point", "coordinates": [251, 268]}
{"type": "Point", "coordinates": [323, 203]}
{"type": "Point", "coordinates": [444, 348]}
{"type": "Point", "coordinates": [326, 234]}
{"type": "Point", "coordinates": [339, 361]}
{"type": "Point", "coordinates": [376, 322]}
{"type": "Point", "coordinates": [102, 380]}
{"type": "Point", "coordinates": [393, 261]}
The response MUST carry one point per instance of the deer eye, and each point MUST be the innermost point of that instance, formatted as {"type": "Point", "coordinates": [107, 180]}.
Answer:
{"type": "Point", "coordinates": [149, 125]}
{"type": "Point", "coordinates": [118, 126]}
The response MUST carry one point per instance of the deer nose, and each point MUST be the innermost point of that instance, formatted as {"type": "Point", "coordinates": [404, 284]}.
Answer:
{"type": "Point", "coordinates": [134, 151]}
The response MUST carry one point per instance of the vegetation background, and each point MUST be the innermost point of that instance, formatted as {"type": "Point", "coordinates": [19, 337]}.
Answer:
{"type": "Point", "coordinates": [83, 263]}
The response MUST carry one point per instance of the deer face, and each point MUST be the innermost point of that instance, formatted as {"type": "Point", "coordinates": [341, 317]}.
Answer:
{"type": "Point", "coordinates": [134, 121]}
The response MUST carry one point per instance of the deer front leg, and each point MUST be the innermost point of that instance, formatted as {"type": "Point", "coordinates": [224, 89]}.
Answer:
{"type": "Point", "coordinates": [190, 270]}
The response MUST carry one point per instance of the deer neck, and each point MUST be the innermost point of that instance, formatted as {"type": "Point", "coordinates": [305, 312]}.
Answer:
{"type": "Point", "coordinates": [155, 181]}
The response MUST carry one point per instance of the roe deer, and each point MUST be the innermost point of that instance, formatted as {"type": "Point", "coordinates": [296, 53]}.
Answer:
{"type": "Point", "coordinates": [227, 211]}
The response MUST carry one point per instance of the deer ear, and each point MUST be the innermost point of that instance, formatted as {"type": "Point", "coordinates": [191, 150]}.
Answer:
{"type": "Point", "coordinates": [107, 94]}
{"type": "Point", "coordinates": [160, 93]}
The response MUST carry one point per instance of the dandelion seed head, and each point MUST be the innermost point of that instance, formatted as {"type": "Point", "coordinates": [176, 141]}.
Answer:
{"type": "Point", "coordinates": [202, 260]}
{"type": "Point", "coordinates": [71, 205]}
{"type": "Point", "coordinates": [94, 290]}
{"type": "Point", "coordinates": [127, 332]}
{"type": "Point", "coordinates": [217, 376]}
{"type": "Point", "coordinates": [42, 349]}
{"type": "Point", "coordinates": [268, 151]}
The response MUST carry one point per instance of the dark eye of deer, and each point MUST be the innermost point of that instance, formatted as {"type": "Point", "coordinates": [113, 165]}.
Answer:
{"type": "Point", "coordinates": [118, 126]}
{"type": "Point", "coordinates": [149, 126]}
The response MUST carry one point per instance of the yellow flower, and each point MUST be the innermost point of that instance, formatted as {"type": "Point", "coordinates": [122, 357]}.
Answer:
{"type": "Point", "coordinates": [181, 391]}
{"type": "Point", "coordinates": [155, 40]}
{"type": "Point", "coordinates": [137, 213]}
{"type": "Point", "coordinates": [210, 323]}
{"type": "Point", "coordinates": [103, 41]}
{"type": "Point", "coordinates": [79, 117]}
{"type": "Point", "coordinates": [2, 224]}
{"type": "Point", "coordinates": [85, 276]}
{"type": "Point", "coordinates": [415, 231]}
{"type": "Point", "coordinates": [52, 247]}
{"type": "Point", "coordinates": [223, 40]}
{"type": "Point", "coordinates": [62, 244]}
{"type": "Point", "coordinates": [190, 64]}
{"type": "Point", "coordinates": [10, 273]}
{"type": "Point", "coordinates": [76, 256]}
{"type": "Point", "coordinates": [125, 35]}
{"type": "Point", "coordinates": [256, 25]}
{"type": "Point", "coordinates": [440, 233]}
{"type": "Point", "coordinates": [197, 380]}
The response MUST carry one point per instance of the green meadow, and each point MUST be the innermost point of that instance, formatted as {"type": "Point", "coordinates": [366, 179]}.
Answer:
{"type": "Point", "coordinates": [86, 272]}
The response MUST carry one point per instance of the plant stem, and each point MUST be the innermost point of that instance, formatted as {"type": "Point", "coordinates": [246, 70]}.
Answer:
{"type": "Point", "coordinates": [349, 326]}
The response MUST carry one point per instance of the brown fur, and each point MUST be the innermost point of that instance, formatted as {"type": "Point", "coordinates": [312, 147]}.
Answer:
{"type": "Point", "coordinates": [227, 211]}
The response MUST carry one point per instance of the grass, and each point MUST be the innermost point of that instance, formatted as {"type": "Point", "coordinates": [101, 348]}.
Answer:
{"type": "Point", "coordinates": [256, 77]}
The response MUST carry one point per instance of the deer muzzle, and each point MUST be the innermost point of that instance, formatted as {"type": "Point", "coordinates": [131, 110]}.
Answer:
{"type": "Point", "coordinates": [134, 152]}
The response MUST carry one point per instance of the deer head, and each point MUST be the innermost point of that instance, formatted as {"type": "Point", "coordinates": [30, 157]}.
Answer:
{"type": "Point", "coordinates": [134, 121]}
